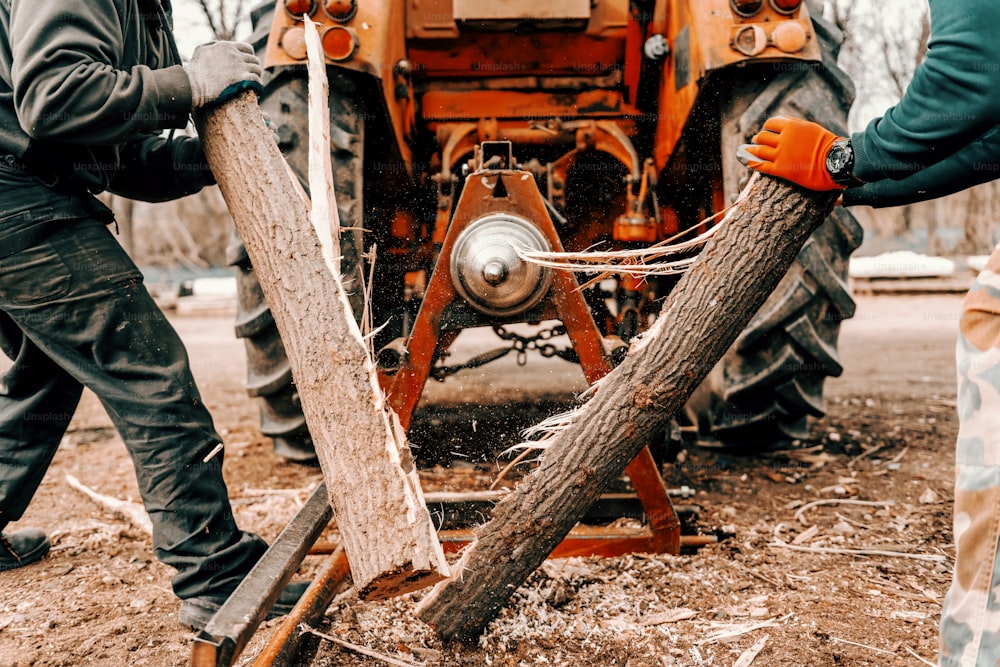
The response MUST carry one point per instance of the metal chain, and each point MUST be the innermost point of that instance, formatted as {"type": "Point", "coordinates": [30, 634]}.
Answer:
{"type": "Point", "coordinates": [522, 344]}
{"type": "Point", "coordinates": [519, 344]}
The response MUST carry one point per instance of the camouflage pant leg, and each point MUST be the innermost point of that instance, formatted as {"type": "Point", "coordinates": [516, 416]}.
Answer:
{"type": "Point", "coordinates": [970, 621]}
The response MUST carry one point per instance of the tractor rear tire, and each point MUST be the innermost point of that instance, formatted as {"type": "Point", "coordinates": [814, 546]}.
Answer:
{"type": "Point", "coordinates": [269, 376]}
{"type": "Point", "coordinates": [771, 380]}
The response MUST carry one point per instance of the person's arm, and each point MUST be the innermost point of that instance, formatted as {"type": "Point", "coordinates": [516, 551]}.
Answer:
{"type": "Point", "coordinates": [953, 98]}
{"type": "Point", "coordinates": [68, 85]}
{"type": "Point", "coordinates": [155, 169]}
{"type": "Point", "coordinates": [976, 163]}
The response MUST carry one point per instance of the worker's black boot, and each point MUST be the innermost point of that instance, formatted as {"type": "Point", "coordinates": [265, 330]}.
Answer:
{"type": "Point", "coordinates": [22, 547]}
{"type": "Point", "coordinates": [195, 613]}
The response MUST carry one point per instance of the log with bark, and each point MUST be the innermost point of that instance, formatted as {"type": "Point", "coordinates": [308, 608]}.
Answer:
{"type": "Point", "coordinates": [373, 486]}
{"type": "Point", "coordinates": [713, 302]}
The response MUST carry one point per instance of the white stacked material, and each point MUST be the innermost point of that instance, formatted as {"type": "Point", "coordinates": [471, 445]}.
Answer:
{"type": "Point", "coordinates": [209, 294]}
{"type": "Point", "coordinates": [901, 264]}
{"type": "Point", "coordinates": [214, 286]}
{"type": "Point", "coordinates": [976, 262]}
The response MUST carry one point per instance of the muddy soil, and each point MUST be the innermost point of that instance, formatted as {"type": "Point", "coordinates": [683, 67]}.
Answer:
{"type": "Point", "coordinates": [785, 583]}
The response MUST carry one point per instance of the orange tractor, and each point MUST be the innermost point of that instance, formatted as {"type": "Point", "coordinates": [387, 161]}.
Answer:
{"type": "Point", "coordinates": [465, 131]}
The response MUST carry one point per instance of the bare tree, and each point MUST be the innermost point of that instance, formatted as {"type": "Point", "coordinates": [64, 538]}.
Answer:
{"type": "Point", "coordinates": [884, 43]}
{"type": "Point", "coordinates": [902, 51]}
{"type": "Point", "coordinates": [224, 16]}
{"type": "Point", "coordinates": [844, 15]}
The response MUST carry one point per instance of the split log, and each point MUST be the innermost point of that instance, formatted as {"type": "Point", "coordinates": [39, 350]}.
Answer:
{"type": "Point", "coordinates": [702, 317]}
{"type": "Point", "coordinates": [374, 490]}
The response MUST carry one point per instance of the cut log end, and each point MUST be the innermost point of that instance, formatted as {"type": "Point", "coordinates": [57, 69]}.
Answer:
{"type": "Point", "coordinates": [400, 582]}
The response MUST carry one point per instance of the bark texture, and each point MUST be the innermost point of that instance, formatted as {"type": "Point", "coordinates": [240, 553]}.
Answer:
{"type": "Point", "coordinates": [374, 490]}
{"type": "Point", "coordinates": [702, 317]}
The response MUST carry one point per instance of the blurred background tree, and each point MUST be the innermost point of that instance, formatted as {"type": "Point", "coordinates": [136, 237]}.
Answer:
{"type": "Point", "coordinates": [884, 42]}
{"type": "Point", "coordinates": [189, 234]}
{"type": "Point", "coordinates": [224, 17]}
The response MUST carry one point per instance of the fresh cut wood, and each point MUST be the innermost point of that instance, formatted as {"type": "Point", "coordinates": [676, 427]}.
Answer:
{"type": "Point", "coordinates": [737, 270]}
{"type": "Point", "coordinates": [374, 490]}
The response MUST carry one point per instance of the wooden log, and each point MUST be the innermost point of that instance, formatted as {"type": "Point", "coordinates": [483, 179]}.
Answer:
{"type": "Point", "coordinates": [704, 314]}
{"type": "Point", "coordinates": [373, 486]}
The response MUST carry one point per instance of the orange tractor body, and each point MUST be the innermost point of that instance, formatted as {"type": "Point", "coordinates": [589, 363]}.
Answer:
{"type": "Point", "coordinates": [464, 132]}
{"type": "Point", "coordinates": [596, 63]}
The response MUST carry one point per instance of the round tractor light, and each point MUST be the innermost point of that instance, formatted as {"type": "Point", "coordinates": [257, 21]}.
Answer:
{"type": "Point", "coordinates": [339, 43]}
{"type": "Point", "coordinates": [340, 10]}
{"type": "Point", "coordinates": [786, 6]}
{"type": "Point", "coordinates": [293, 42]}
{"type": "Point", "coordinates": [487, 271]}
{"type": "Point", "coordinates": [789, 36]}
{"type": "Point", "coordinates": [296, 8]}
{"type": "Point", "coordinates": [750, 40]}
{"type": "Point", "coordinates": [746, 7]}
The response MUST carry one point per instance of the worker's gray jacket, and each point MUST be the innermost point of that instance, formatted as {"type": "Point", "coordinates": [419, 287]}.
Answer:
{"type": "Point", "coordinates": [86, 86]}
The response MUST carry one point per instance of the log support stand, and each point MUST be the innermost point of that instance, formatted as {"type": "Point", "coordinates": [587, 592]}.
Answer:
{"type": "Point", "coordinates": [564, 301]}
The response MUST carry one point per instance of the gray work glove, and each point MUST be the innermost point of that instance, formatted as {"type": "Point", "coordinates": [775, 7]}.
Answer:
{"type": "Point", "coordinates": [221, 70]}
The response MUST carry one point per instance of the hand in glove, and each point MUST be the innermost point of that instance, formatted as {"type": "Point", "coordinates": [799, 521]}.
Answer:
{"type": "Point", "coordinates": [794, 150]}
{"type": "Point", "coordinates": [221, 70]}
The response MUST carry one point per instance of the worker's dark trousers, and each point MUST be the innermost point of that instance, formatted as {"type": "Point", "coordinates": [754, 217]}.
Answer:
{"type": "Point", "coordinates": [74, 313]}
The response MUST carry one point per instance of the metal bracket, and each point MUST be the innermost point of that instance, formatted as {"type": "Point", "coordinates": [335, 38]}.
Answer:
{"type": "Point", "coordinates": [234, 624]}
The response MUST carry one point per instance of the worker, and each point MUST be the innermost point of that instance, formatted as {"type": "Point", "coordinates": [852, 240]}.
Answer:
{"type": "Point", "coordinates": [86, 89]}
{"type": "Point", "coordinates": [942, 136]}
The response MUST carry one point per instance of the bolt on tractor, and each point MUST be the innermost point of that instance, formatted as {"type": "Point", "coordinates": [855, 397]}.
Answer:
{"type": "Point", "coordinates": [464, 132]}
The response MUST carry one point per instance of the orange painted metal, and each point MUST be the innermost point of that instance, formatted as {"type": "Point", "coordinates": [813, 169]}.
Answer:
{"type": "Point", "coordinates": [446, 105]}
{"type": "Point", "coordinates": [593, 541]}
{"type": "Point", "coordinates": [407, 384]}
{"type": "Point", "coordinates": [379, 29]}
{"type": "Point", "coordinates": [701, 38]}
{"type": "Point", "coordinates": [513, 54]}
{"type": "Point", "coordinates": [524, 199]}
{"type": "Point", "coordinates": [434, 25]}
{"type": "Point", "coordinates": [281, 649]}
{"type": "Point", "coordinates": [634, 36]}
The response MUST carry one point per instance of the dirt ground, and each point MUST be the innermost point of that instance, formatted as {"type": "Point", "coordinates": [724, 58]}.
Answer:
{"type": "Point", "coordinates": [769, 587]}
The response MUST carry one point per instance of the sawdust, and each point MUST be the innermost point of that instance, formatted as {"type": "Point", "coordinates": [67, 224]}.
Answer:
{"type": "Point", "coordinates": [101, 598]}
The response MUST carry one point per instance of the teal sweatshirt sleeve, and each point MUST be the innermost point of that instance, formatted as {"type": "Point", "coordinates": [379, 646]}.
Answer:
{"type": "Point", "coordinates": [954, 96]}
{"type": "Point", "coordinates": [976, 163]}
{"type": "Point", "coordinates": [71, 80]}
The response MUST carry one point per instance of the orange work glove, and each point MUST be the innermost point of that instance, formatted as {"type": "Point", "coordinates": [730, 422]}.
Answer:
{"type": "Point", "coordinates": [794, 150]}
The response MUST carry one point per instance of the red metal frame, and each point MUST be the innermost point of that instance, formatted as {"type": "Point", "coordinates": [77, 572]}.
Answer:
{"type": "Point", "coordinates": [662, 534]}
{"type": "Point", "coordinates": [565, 300]}
{"type": "Point", "coordinates": [283, 646]}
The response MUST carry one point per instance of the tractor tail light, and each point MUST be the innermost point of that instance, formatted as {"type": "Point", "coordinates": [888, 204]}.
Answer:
{"type": "Point", "coordinates": [339, 43]}
{"type": "Point", "coordinates": [746, 7]}
{"type": "Point", "coordinates": [296, 8]}
{"type": "Point", "coordinates": [786, 6]}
